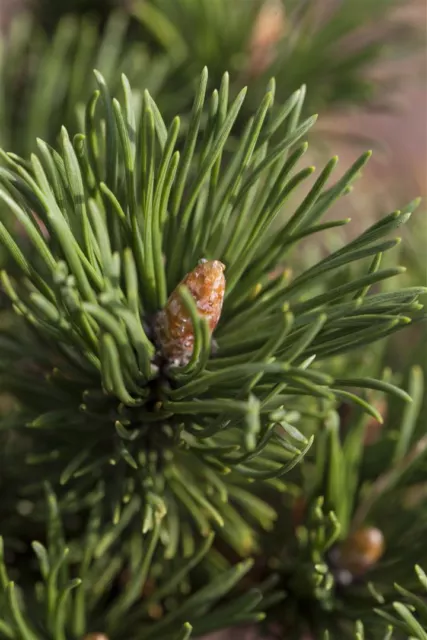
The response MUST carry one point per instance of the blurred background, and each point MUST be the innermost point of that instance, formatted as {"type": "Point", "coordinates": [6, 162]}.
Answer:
{"type": "Point", "coordinates": [367, 79]}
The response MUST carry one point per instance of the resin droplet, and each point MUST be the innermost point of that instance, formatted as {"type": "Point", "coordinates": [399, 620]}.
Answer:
{"type": "Point", "coordinates": [362, 550]}
{"type": "Point", "coordinates": [174, 328]}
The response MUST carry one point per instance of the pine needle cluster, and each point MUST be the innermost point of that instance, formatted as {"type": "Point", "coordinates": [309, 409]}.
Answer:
{"type": "Point", "coordinates": [153, 465]}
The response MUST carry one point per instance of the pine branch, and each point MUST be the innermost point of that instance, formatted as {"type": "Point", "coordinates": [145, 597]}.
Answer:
{"type": "Point", "coordinates": [125, 399]}
{"type": "Point", "coordinates": [63, 606]}
{"type": "Point", "coordinates": [100, 320]}
{"type": "Point", "coordinates": [357, 526]}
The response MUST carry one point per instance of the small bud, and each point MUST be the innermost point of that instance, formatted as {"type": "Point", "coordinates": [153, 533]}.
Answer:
{"type": "Point", "coordinates": [174, 328]}
{"type": "Point", "coordinates": [362, 550]}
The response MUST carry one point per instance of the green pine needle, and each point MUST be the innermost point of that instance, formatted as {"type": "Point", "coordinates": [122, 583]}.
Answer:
{"type": "Point", "coordinates": [113, 221]}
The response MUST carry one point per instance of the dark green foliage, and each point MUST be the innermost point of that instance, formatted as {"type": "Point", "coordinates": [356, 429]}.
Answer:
{"type": "Point", "coordinates": [113, 572]}
{"type": "Point", "coordinates": [359, 474]}
{"type": "Point", "coordinates": [410, 615]}
{"type": "Point", "coordinates": [165, 454]}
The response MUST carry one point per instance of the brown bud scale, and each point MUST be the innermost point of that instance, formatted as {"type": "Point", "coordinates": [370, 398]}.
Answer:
{"type": "Point", "coordinates": [174, 328]}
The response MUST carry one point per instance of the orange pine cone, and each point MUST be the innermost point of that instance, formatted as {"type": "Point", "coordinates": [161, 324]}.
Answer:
{"type": "Point", "coordinates": [174, 328]}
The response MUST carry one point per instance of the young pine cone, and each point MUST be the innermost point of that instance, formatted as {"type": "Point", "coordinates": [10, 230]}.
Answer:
{"type": "Point", "coordinates": [174, 328]}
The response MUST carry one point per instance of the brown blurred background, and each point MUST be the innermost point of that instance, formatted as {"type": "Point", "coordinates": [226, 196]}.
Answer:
{"type": "Point", "coordinates": [398, 170]}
